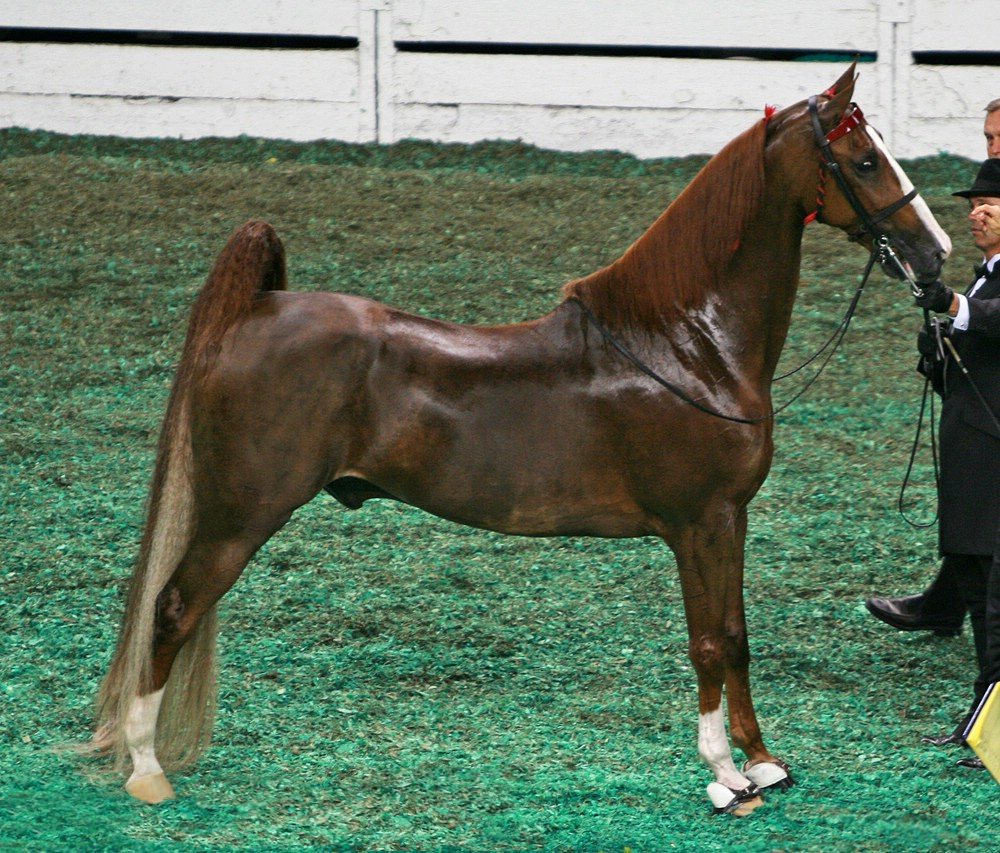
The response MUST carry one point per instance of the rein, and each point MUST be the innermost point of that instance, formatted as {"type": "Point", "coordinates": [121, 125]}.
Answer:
{"type": "Point", "coordinates": [881, 251]}
{"type": "Point", "coordinates": [935, 465]}
{"type": "Point", "coordinates": [836, 339]}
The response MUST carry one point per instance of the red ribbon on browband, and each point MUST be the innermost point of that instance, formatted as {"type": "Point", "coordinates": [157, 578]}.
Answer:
{"type": "Point", "coordinates": [852, 119]}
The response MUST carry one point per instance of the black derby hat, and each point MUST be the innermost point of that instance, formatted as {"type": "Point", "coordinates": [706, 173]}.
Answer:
{"type": "Point", "coordinates": [987, 182]}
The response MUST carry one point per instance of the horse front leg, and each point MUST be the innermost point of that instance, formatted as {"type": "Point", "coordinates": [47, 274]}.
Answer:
{"type": "Point", "coordinates": [709, 555]}
{"type": "Point", "coordinates": [761, 767]}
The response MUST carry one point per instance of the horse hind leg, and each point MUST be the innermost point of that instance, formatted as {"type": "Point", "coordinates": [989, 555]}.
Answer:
{"type": "Point", "coordinates": [175, 712]}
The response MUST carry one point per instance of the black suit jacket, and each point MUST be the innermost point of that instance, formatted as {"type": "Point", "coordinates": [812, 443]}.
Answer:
{"type": "Point", "coordinates": [969, 497]}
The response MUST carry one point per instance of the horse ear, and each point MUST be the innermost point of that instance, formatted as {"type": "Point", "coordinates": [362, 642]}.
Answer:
{"type": "Point", "coordinates": [839, 94]}
{"type": "Point", "coordinates": [845, 83]}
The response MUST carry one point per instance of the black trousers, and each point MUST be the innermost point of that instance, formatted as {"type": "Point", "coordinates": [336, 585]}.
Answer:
{"type": "Point", "coordinates": [968, 582]}
{"type": "Point", "coordinates": [977, 581]}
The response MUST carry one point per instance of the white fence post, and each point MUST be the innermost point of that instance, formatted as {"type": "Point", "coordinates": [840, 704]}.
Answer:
{"type": "Point", "coordinates": [894, 61]}
{"type": "Point", "coordinates": [376, 51]}
{"type": "Point", "coordinates": [368, 81]}
{"type": "Point", "coordinates": [386, 74]}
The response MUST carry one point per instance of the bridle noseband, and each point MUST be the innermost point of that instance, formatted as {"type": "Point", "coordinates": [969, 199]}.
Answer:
{"type": "Point", "coordinates": [852, 120]}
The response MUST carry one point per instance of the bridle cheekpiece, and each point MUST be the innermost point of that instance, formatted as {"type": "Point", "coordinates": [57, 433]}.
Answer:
{"type": "Point", "coordinates": [853, 119]}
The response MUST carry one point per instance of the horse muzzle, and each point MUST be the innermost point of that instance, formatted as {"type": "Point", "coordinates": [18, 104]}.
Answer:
{"type": "Point", "coordinates": [914, 264]}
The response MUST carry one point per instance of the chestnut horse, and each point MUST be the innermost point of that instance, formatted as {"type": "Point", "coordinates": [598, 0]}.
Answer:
{"type": "Point", "coordinates": [542, 428]}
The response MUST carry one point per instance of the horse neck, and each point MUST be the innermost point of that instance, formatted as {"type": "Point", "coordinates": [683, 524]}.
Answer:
{"type": "Point", "coordinates": [732, 312]}
{"type": "Point", "coordinates": [753, 308]}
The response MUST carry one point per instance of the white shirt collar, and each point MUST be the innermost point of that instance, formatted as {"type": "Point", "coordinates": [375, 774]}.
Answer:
{"type": "Point", "coordinates": [991, 262]}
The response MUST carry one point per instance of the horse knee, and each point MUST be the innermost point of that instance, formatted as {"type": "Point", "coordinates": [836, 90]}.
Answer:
{"type": "Point", "coordinates": [713, 654]}
{"type": "Point", "coordinates": [707, 653]}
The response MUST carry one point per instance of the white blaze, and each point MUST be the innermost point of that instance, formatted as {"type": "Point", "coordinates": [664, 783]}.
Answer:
{"type": "Point", "coordinates": [919, 205]}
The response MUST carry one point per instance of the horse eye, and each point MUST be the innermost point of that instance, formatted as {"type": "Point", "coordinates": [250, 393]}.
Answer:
{"type": "Point", "coordinates": [867, 166]}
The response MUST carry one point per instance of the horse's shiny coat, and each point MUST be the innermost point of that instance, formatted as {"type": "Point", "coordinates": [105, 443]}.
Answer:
{"type": "Point", "coordinates": [538, 428]}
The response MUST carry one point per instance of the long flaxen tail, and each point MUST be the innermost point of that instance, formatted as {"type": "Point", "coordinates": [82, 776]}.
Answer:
{"type": "Point", "coordinates": [252, 262]}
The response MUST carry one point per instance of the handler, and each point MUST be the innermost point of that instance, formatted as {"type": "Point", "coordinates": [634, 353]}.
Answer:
{"type": "Point", "coordinates": [969, 497]}
{"type": "Point", "coordinates": [941, 607]}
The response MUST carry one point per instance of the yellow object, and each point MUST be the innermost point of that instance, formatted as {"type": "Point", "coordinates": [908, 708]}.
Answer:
{"type": "Point", "coordinates": [983, 734]}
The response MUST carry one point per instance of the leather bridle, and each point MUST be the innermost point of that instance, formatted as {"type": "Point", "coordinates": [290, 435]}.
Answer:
{"type": "Point", "coordinates": [852, 120]}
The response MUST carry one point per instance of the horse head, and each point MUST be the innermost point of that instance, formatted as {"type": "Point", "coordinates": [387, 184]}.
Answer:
{"type": "Point", "coordinates": [858, 187]}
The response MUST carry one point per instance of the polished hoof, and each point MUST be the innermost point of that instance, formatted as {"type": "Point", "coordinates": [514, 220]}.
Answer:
{"type": "Point", "coordinates": [151, 789]}
{"type": "Point", "coordinates": [769, 775]}
{"type": "Point", "coordinates": [746, 806]}
{"type": "Point", "coordinates": [730, 801]}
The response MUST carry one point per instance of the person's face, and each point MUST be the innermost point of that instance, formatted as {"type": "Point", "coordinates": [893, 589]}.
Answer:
{"type": "Point", "coordinates": [986, 241]}
{"type": "Point", "coordinates": [992, 132]}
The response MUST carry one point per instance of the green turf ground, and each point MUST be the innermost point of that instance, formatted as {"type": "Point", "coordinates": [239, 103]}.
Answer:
{"type": "Point", "coordinates": [393, 682]}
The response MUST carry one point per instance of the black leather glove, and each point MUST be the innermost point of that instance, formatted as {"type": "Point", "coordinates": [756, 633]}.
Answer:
{"type": "Point", "coordinates": [935, 297]}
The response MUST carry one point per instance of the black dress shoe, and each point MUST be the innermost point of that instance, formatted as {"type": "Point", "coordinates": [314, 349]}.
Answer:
{"type": "Point", "coordinates": [971, 763]}
{"type": "Point", "coordinates": [944, 740]}
{"type": "Point", "coordinates": [906, 613]}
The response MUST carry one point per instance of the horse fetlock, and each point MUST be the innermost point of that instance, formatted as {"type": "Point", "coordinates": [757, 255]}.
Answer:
{"type": "Point", "coordinates": [140, 736]}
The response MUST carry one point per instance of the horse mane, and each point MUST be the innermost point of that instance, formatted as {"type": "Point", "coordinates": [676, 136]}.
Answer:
{"type": "Point", "coordinates": [690, 245]}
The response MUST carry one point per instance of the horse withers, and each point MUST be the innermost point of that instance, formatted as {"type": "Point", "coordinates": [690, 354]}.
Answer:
{"type": "Point", "coordinates": [640, 406]}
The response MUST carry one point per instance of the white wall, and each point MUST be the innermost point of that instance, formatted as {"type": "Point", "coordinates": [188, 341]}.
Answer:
{"type": "Point", "coordinates": [647, 105]}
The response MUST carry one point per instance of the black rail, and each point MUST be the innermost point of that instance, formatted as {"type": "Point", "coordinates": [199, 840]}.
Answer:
{"type": "Point", "coordinates": [163, 38]}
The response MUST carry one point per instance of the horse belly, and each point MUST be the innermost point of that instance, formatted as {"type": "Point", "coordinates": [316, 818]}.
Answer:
{"type": "Point", "coordinates": [510, 457]}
